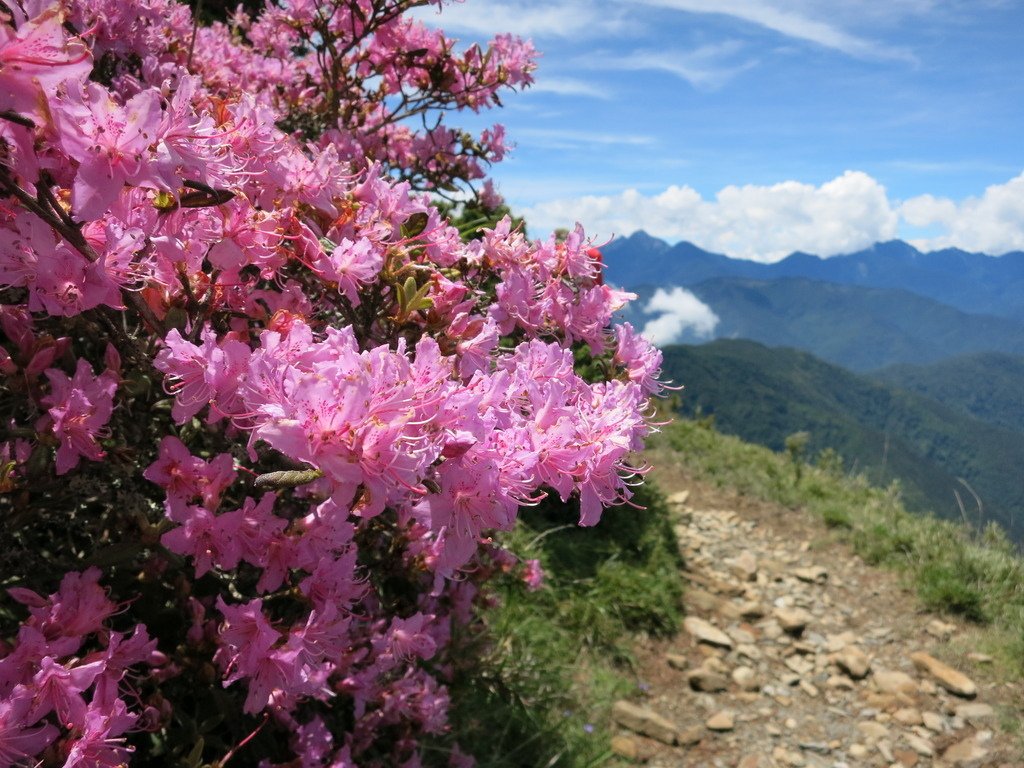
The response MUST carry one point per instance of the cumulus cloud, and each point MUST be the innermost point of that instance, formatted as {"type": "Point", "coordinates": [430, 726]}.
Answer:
{"type": "Point", "coordinates": [992, 223]}
{"type": "Point", "coordinates": [761, 223]}
{"type": "Point", "coordinates": [680, 311]}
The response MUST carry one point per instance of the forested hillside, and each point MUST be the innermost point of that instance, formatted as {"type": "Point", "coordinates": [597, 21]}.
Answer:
{"type": "Point", "coordinates": [765, 395]}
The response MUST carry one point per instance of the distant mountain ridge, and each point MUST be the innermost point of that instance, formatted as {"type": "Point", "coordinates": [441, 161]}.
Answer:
{"type": "Point", "coordinates": [858, 327]}
{"type": "Point", "coordinates": [975, 283]}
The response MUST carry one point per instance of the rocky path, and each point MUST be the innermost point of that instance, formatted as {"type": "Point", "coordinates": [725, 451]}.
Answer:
{"type": "Point", "coordinates": [796, 653]}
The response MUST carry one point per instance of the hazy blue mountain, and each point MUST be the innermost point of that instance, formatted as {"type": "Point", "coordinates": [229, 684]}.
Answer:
{"type": "Point", "coordinates": [988, 386]}
{"type": "Point", "coordinates": [855, 326]}
{"type": "Point", "coordinates": [763, 395]}
{"type": "Point", "coordinates": [972, 282]}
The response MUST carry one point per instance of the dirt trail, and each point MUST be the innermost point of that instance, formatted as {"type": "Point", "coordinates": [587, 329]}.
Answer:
{"type": "Point", "coordinates": [797, 653]}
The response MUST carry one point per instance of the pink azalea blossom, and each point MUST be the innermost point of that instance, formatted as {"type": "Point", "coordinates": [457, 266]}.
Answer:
{"type": "Point", "coordinates": [110, 143]}
{"type": "Point", "coordinates": [36, 58]}
{"type": "Point", "coordinates": [101, 743]}
{"type": "Point", "coordinates": [79, 409]}
{"type": "Point", "coordinates": [20, 738]}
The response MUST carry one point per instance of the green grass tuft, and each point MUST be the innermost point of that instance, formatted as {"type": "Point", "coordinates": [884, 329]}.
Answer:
{"type": "Point", "coordinates": [944, 587]}
{"type": "Point", "coordinates": [556, 659]}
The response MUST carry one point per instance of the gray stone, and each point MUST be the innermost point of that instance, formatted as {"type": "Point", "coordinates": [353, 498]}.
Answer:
{"type": "Point", "coordinates": [707, 680]}
{"type": "Point", "coordinates": [705, 632]}
{"type": "Point", "coordinates": [813, 574]}
{"type": "Point", "coordinates": [721, 721]}
{"type": "Point", "coordinates": [975, 712]}
{"type": "Point", "coordinates": [853, 661]}
{"type": "Point", "coordinates": [792, 620]}
{"type": "Point", "coordinates": [953, 681]}
{"type": "Point", "coordinates": [645, 722]}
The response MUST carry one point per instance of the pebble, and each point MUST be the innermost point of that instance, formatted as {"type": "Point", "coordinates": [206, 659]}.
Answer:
{"type": "Point", "coordinates": [645, 722]}
{"type": "Point", "coordinates": [705, 632]}
{"type": "Point", "coordinates": [949, 678]}
{"type": "Point", "coordinates": [721, 721]}
{"type": "Point", "coordinates": [707, 680]}
{"type": "Point", "coordinates": [792, 620]}
{"type": "Point", "coordinates": [853, 661]}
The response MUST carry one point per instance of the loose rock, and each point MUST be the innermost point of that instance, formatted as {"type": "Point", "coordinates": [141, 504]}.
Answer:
{"type": "Point", "coordinates": [721, 721]}
{"type": "Point", "coordinates": [707, 680]}
{"type": "Point", "coordinates": [964, 752]}
{"type": "Point", "coordinates": [628, 748]}
{"type": "Point", "coordinates": [677, 661]}
{"type": "Point", "coordinates": [744, 566]}
{"type": "Point", "coordinates": [814, 574]}
{"type": "Point", "coordinates": [893, 681]}
{"type": "Point", "coordinates": [705, 632]}
{"type": "Point", "coordinates": [953, 681]}
{"type": "Point", "coordinates": [974, 712]}
{"type": "Point", "coordinates": [679, 498]}
{"type": "Point", "coordinates": [853, 661]}
{"type": "Point", "coordinates": [792, 620]}
{"type": "Point", "coordinates": [645, 722]}
{"type": "Point", "coordinates": [746, 679]}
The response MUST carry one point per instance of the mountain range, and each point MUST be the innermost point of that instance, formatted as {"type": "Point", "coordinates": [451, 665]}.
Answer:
{"type": "Point", "coordinates": [909, 364]}
{"type": "Point", "coordinates": [974, 283]}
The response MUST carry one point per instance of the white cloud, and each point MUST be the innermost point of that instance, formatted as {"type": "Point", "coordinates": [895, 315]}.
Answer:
{"type": "Point", "coordinates": [762, 223]}
{"type": "Point", "coordinates": [681, 311]}
{"type": "Point", "coordinates": [927, 211]}
{"type": "Point", "coordinates": [568, 138]}
{"type": "Point", "coordinates": [542, 20]}
{"type": "Point", "coordinates": [992, 223]}
{"type": "Point", "coordinates": [705, 67]}
{"type": "Point", "coordinates": [569, 86]}
{"type": "Point", "coordinates": [788, 23]}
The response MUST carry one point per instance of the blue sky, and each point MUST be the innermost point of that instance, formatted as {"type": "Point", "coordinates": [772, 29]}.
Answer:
{"type": "Point", "coordinates": [759, 127]}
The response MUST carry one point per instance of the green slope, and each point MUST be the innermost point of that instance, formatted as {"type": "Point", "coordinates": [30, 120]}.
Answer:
{"type": "Point", "coordinates": [764, 395]}
{"type": "Point", "coordinates": [988, 386]}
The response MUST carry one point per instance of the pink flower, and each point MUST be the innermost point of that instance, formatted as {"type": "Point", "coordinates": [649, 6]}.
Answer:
{"type": "Point", "coordinates": [111, 143]}
{"type": "Point", "coordinates": [79, 409]}
{"type": "Point", "coordinates": [351, 266]}
{"type": "Point", "coordinates": [533, 575]}
{"type": "Point", "coordinates": [197, 376]}
{"type": "Point", "coordinates": [78, 608]}
{"type": "Point", "coordinates": [35, 59]}
{"type": "Point", "coordinates": [186, 477]}
{"type": "Point", "coordinates": [19, 741]}
{"type": "Point", "coordinates": [405, 639]}
{"type": "Point", "coordinates": [101, 744]}
{"type": "Point", "coordinates": [246, 637]}
{"type": "Point", "coordinates": [640, 359]}
{"type": "Point", "coordinates": [58, 689]}
{"type": "Point", "coordinates": [210, 540]}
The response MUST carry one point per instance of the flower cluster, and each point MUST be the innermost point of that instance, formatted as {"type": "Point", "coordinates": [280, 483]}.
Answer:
{"type": "Point", "coordinates": [252, 373]}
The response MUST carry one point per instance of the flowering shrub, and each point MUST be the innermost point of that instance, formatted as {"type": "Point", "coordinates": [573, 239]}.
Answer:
{"type": "Point", "coordinates": [262, 407]}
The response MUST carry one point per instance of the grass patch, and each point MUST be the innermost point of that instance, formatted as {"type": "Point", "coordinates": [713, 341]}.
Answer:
{"type": "Point", "coordinates": [943, 587]}
{"type": "Point", "coordinates": [555, 660]}
{"type": "Point", "coordinates": [836, 516]}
